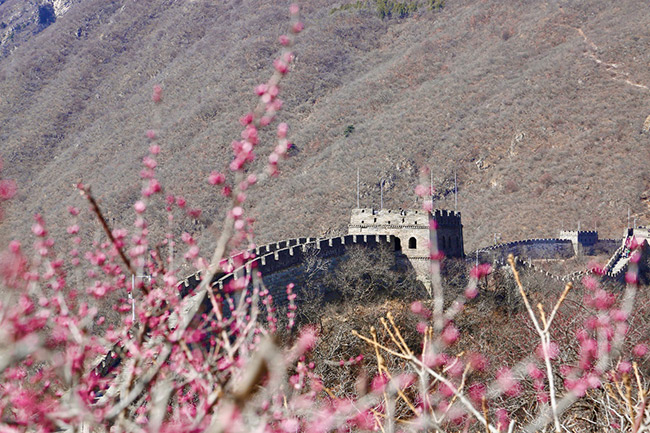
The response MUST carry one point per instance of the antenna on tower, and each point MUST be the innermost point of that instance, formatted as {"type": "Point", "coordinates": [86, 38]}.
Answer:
{"type": "Point", "coordinates": [455, 192]}
{"type": "Point", "coordinates": [431, 187]}
{"type": "Point", "coordinates": [381, 189]}
{"type": "Point", "coordinates": [358, 188]}
{"type": "Point", "coordinates": [628, 217]}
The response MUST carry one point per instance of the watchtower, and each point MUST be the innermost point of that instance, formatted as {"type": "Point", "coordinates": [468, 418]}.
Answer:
{"type": "Point", "coordinates": [449, 232]}
{"type": "Point", "coordinates": [580, 239]}
{"type": "Point", "coordinates": [413, 231]}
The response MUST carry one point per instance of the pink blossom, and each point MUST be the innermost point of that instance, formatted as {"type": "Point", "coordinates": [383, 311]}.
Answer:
{"type": "Point", "coordinates": [216, 178]}
{"type": "Point", "coordinates": [283, 129]}
{"type": "Point", "coordinates": [624, 367]}
{"type": "Point", "coordinates": [507, 382]}
{"type": "Point", "coordinates": [246, 119]}
{"type": "Point", "coordinates": [154, 149]}
{"type": "Point", "coordinates": [631, 278]}
{"type": "Point", "coordinates": [618, 315]}
{"type": "Point", "coordinates": [553, 350]}
{"type": "Point", "coordinates": [418, 308]}
{"type": "Point", "coordinates": [284, 40]}
{"type": "Point", "coordinates": [298, 27]}
{"type": "Point", "coordinates": [542, 397]}
{"type": "Point", "coordinates": [151, 134]}
{"type": "Point", "coordinates": [421, 190]}
{"type": "Point", "coordinates": [7, 189]}
{"type": "Point", "coordinates": [477, 361]}
{"type": "Point", "coordinates": [481, 271]}
{"type": "Point", "coordinates": [640, 350]}
{"type": "Point", "coordinates": [503, 419]}
{"type": "Point", "coordinates": [73, 229]}
{"type": "Point", "coordinates": [261, 89]}
{"type": "Point", "coordinates": [450, 334]}
{"type": "Point", "coordinates": [287, 57]}
{"type": "Point", "coordinates": [632, 243]}
{"type": "Point", "coordinates": [14, 247]}
{"type": "Point", "coordinates": [379, 383]}
{"type": "Point", "coordinates": [590, 282]}
{"type": "Point", "coordinates": [149, 162]}
{"type": "Point", "coordinates": [534, 372]}
{"type": "Point", "coordinates": [192, 253]}
{"type": "Point", "coordinates": [156, 95]}
{"type": "Point", "coordinates": [307, 339]}
{"type": "Point", "coordinates": [477, 392]}
{"type": "Point", "coordinates": [140, 206]}
{"type": "Point", "coordinates": [446, 391]}
{"type": "Point", "coordinates": [471, 292]}
{"type": "Point", "coordinates": [601, 300]}
{"type": "Point", "coordinates": [39, 230]}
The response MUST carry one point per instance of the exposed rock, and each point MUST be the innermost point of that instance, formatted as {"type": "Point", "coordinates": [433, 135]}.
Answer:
{"type": "Point", "coordinates": [61, 6]}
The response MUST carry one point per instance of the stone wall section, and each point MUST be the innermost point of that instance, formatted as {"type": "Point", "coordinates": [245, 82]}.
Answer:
{"type": "Point", "coordinates": [285, 262]}
{"type": "Point", "coordinates": [532, 249]}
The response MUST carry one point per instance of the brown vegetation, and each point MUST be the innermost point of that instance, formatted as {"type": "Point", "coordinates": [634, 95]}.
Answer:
{"type": "Point", "coordinates": [521, 99]}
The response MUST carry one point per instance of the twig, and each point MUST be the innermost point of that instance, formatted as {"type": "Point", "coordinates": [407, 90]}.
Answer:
{"type": "Point", "coordinates": [544, 335]}
{"type": "Point", "coordinates": [85, 192]}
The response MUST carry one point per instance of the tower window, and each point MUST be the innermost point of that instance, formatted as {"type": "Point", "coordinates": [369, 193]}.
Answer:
{"type": "Point", "coordinates": [413, 243]}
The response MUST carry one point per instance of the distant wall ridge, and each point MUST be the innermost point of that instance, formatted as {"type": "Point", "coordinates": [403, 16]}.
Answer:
{"type": "Point", "coordinates": [409, 232]}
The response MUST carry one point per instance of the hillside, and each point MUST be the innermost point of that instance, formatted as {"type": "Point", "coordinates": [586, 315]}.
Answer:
{"type": "Point", "coordinates": [538, 106]}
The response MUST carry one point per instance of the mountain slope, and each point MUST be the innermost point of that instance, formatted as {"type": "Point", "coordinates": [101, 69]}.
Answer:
{"type": "Point", "coordinates": [538, 107]}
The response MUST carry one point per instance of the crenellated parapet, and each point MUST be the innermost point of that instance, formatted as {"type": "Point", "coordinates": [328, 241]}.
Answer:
{"type": "Point", "coordinates": [448, 218]}
{"type": "Point", "coordinates": [289, 257]}
{"type": "Point", "coordinates": [539, 248]}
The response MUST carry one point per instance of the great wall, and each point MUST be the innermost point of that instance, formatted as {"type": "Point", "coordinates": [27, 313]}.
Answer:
{"type": "Point", "coordinates": [409, 233]}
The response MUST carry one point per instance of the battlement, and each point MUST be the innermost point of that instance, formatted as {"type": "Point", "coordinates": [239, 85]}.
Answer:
{"type": "Point", "coordinates": [446, 217]}
{"type": "Point", "coordinates": [388, 217]}
{"type": "Point", "coordinates": [583, 237]}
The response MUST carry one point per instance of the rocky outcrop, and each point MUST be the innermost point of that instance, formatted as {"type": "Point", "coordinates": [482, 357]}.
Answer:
{"type": "Point", "coordinates": [62, 6]}
{"type": "Point", "coordinates": [20, 20]}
